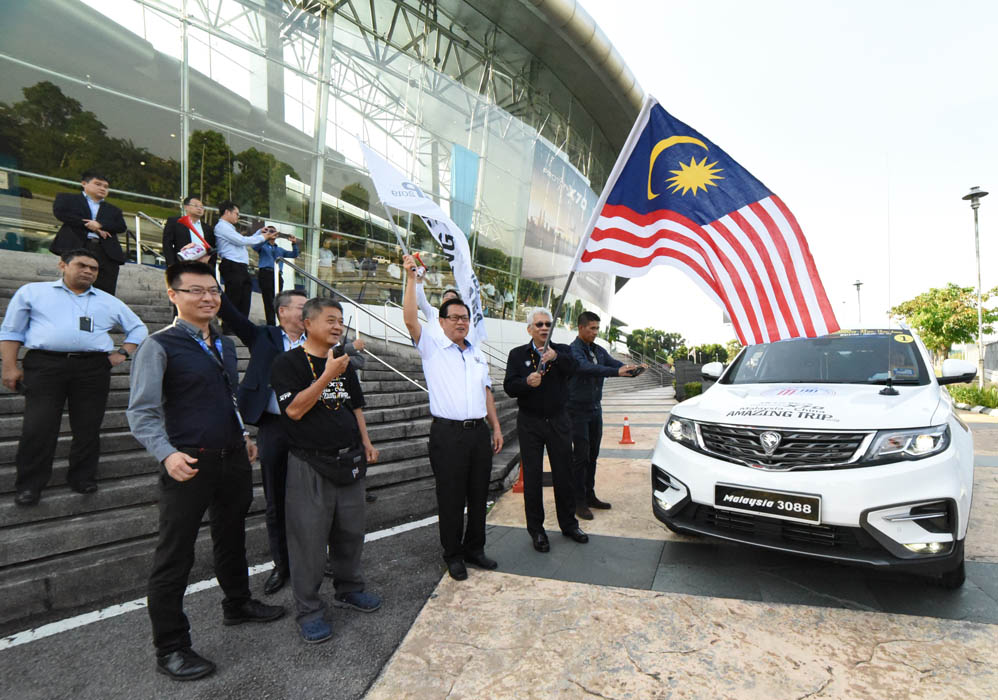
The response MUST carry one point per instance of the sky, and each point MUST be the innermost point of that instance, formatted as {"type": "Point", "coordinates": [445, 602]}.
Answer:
{"type": "Point", "coordinates": [869, 119]}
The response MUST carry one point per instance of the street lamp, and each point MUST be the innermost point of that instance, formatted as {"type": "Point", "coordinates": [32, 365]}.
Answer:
{"type": "Point", "coordinates": [974, 196]}
{"type": "Point", "coordinates": [859, 308]}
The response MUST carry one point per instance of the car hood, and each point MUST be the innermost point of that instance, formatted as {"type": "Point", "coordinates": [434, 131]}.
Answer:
{"type": "Point", "coordinates": [825, 406]}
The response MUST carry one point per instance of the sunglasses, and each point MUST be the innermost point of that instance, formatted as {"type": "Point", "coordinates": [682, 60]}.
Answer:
{"type": "Point", "coordinates": [542, 324]}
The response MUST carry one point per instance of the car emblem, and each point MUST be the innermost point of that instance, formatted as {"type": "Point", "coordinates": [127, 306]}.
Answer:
{"type": "Point", "coordinates": [770, 441]}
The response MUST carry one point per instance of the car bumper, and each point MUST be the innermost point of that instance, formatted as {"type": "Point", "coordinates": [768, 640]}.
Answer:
{"type": "Point", "coordinates": [864, 510]}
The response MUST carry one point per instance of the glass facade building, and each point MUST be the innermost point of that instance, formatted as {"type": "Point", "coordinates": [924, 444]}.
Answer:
{"type": "Point", "coordinates": [264, 102]}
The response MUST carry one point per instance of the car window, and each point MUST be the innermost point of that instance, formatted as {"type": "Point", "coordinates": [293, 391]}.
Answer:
{"type": "Point", "coordinates": [847, 357]}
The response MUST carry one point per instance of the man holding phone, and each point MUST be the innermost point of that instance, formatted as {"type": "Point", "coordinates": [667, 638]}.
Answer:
{"type": "Point", "coordinates": [322, 403]}
{"type": "Point", "coordinates": [267, 266]}
{"type": "Point", "coordinates": [65, 327]}
{"type": "Point", "coordinates": [585, 392]}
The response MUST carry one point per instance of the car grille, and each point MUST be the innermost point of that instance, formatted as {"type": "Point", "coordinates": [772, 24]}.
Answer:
{"type": "Point", "coordinates": [797, 448]}
{"type": "Point", "coordinates": [756, 527]}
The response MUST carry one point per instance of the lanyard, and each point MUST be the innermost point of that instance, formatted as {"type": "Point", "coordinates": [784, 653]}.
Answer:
{"type": "Point", "coordinates": [315, 378]}
{"type": "Point", "coordinates": [218, 361]}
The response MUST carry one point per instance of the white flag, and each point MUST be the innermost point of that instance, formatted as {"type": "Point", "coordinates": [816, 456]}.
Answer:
{"type": "Point", "coordinates": [394, 190]}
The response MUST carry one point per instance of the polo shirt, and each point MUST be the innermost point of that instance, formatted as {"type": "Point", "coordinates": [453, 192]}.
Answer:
{"type": "Point", "coordinates": [456, 377]}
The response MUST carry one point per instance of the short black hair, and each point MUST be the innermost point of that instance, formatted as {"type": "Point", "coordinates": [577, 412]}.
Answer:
{"type": "Point", "coordinates": [71, 255]}
{"type": "Point", "coordinates": [284, 297]}
{"type": "Point", "coordinates": [191, 267]}
{"type": "Point", "coordinates": [586, 317]}
{"type": "Point", "coordinates": [225, 206]}
{"type": "Point", "coordinates": [452, 302]}
{"type": "Point", "coordinates": [89, 175]}
{"type": "Point", "coordinates": [313, 307]}
{"type": "Point", "coordinates": [188, 198]}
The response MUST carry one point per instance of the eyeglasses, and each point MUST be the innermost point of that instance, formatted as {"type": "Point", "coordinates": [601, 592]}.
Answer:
{"type": "Point", "coordinates": [458, 319]}
{"type": "Point", "coordinates": [200, 291]}
{"type": "Point", "coordinates": [542, 324]}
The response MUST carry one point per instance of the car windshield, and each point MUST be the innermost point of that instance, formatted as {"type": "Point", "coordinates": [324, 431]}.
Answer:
{"type": "Point", "coordinates": [846, 357]}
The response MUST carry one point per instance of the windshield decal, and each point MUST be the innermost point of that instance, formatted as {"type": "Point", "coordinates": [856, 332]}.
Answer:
{"type": "Point", "coordinates": [902, 338]}
{"type": "Point", "coordinates": [799, 391]}
{"type": "Point", "coordinates": [774, 409]}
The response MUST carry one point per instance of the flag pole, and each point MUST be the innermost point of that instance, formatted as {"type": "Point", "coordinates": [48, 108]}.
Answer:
{"type": "Point", "coordinates": [391, 222]}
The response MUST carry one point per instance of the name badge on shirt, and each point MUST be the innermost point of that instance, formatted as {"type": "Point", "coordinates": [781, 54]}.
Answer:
{"type": "Point", "coordinates": [86, 324]}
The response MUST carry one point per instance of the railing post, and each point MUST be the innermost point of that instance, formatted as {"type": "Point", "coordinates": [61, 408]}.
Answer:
{"type": "Point", "coordinates": [138, 240]}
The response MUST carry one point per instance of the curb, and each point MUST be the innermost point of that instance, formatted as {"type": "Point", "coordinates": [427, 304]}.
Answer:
{"type": "Point", "coordinates": [976, 409]}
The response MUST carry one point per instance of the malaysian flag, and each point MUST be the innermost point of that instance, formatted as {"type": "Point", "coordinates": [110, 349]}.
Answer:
{"type": "Point", "coordinates": [674, 198]}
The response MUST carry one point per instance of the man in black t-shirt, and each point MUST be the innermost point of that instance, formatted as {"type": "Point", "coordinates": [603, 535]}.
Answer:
{"type": "Point", "coordinates": [322, 407]}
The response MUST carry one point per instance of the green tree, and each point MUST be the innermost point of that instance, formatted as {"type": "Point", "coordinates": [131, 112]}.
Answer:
{"type": "Point", "coordinates": [947, 315]}
{"type": "Point", "coordinates": [259, 185]}
{"type": "Point", "coordinates": [209, 167]}
{"type": "Point", "coordinates": [733, 347]}
{"type": "Point", "coordinates": [711, 352]}
{"type": "Point", "coordinates": [357, 195]}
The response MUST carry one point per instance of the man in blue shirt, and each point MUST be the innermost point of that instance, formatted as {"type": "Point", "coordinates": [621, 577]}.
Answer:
{"type": "Point", "coordinates": [234, 257]}
{"type": "Point", "coordinates": [585, 392]}
{"type": "Point", "coordinates": [270, 253]}
{"type": "Point", "coordinates": [65, 327]}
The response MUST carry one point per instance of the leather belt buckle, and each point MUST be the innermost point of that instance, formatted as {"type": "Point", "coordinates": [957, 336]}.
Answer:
{"type": "Point", "coordinates": [468, 424]}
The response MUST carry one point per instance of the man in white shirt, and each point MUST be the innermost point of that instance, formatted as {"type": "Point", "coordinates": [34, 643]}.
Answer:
{"type": "Point", "coordinates": [461, 449]}
{"type": "Point", "coordinates": [233, 249]}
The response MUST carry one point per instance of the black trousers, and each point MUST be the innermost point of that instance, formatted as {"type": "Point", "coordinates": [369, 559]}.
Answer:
{"type": "Point", "coordinates": [224, 487]}
{"type": "Point", "coordinates": [461, 460]}
{"type": "Point", "coordinates": [265, 278]}
{"type": "Point", "coordinates": [238, 284]}
{"type": "Point", "coordinates": [49, 380]}
{"type": "Point", "coordinates": [587, 433]}
{"type": "Point", "coordinates": [107, 269]}
{"type": "Point", "coordinates": [555, 433]}
{"type": "Point", "coordinates": [272, 442]}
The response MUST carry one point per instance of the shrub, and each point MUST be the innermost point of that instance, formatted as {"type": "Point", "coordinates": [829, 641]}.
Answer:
{"type": "Point", "coordinates": [693, 389]}
{"type": "Point", "coordinates": [970, 394]}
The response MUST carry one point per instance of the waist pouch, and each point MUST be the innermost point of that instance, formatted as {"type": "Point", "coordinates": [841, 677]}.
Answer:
{"type": "Point", "coordinates": [342, 468]}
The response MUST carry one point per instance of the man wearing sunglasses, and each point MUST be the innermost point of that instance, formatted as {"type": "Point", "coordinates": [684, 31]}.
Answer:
{"type": "Point", "coordinates": [538, 379]}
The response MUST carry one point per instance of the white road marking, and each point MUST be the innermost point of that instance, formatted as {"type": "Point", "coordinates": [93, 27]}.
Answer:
{"type": "Point", "coordinates": [70, 623]}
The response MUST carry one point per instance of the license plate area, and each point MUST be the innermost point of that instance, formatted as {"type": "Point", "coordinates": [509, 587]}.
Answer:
{"type": "Point", "coordinates": [784, 505]}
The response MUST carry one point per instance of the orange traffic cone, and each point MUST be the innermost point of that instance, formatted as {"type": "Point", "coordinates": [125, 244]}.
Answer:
{"type": "Point", "coordinates": [626, 437]}
{"type": "Point", "coordinates": [518, 486]}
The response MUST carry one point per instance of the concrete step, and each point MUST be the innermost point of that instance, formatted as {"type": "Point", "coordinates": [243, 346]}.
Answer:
{"type": "Point", "coordinates": [112, 466]}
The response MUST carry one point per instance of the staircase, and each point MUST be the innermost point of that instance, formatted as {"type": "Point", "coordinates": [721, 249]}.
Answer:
{"type": "Point", "coordinates": [73, 552]}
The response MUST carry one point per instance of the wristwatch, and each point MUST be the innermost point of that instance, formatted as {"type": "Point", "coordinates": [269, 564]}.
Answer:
{"type": "Point", "coordinates": [122, 351]}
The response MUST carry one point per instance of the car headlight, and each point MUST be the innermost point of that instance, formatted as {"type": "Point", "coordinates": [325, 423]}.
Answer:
{"type": "Point", "coordinates": [909, 444]}
{"type": "Point", "coordinates": [681, 430]}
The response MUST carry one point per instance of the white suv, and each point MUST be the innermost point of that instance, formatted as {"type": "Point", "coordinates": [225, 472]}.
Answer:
{"type": "Point", "coordinates": [840, 447]}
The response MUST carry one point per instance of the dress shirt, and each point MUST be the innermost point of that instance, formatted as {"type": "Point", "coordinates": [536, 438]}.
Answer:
{"type": "Point", "coordinates": [289, 344]}
{"type": "Point", "coordinates": [195, 239]}
{"type": "Point", "coordinates": [271, 252]}
{"type": "Point", "coordinates": [456, 378]}
{"type": "Point", "coordinates": [94, 207]}
{"type": "Point", "coordinates": [46, 316]}
{"type": "Point", "coordinates": [232, 245]}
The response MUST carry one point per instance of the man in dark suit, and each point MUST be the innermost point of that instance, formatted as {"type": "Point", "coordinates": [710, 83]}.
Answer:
{"type": "Point", "coordinates": [258, 406]}
{"type": "Point", "coordinates": [91, 223]}
{"type": "Point", "coordinates": [177, 233]}
{"type": "Point", "coordinates": [538, 379]}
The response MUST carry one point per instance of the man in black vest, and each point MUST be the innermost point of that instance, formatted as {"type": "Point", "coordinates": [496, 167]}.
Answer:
{"type": "Point", "coordinates": [90, 222]}
{"type": "Point", "coordinates": [538, 379]}
{"type": "Point", "coordinates": [182, 408]}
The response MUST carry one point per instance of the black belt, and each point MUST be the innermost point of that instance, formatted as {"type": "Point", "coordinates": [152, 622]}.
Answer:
{"type": "Point", "coordinates": [463, 424]}
{"type": "Point", "coordinates": [215, 451]}
{"type": "Point", "coordinates": [53, 353]}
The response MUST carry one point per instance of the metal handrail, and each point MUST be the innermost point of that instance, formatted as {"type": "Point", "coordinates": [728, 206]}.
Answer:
{"type": "Point", "coordinates": [367, 311]}
{"type": "Point", "coordinates": [151, 219]}
{"type": "Point", "coordinates": [485, 347]}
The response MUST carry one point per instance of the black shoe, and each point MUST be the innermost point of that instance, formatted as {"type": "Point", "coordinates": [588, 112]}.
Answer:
{"type": "Point", "coordinates": [597, 503]}
{"type": "Point", "coordinates": [275, 581]}
{"type": "Point", "coordinates": [541, 543]}
{"type": "Point", "coordinates": [184, 665]}
{"type": "Point", "coordinates": [457, 570]}
{"type": "Point", "coordinates": [27, 497]}
{"type": "Point", "coordinates": [370, 497]}
{"type": "Point", "coordinates": [583, 512]}
{"type": "Point", "coordinates": [253, 611]}
{"type": "Point", "coordinates": [85, 487]}
{"type": "Point", "coordinates": [481, 561]}
{"type": "Point", "coordinates": [578, 535]}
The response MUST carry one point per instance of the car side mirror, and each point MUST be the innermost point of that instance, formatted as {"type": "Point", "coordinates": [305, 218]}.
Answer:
{"type": "Point", "coordinates": [712, 370]}
{"type": "Point", "coordinates": [957, 372]}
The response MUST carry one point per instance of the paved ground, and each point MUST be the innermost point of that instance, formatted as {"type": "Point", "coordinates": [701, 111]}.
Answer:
{"type": "Point", "coordinates": [639, 612]}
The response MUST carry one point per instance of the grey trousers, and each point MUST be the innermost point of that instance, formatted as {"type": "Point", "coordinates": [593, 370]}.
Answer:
{"type": "Point", "coordinates": [318, 512]}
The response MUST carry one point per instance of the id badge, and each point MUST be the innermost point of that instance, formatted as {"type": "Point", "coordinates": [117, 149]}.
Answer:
{"type": "Point", "coordinates": [86, 324]}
